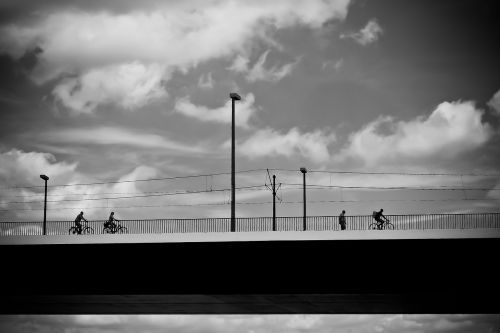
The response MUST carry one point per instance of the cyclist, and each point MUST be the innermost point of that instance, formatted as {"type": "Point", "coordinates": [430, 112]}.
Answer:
{"type": "Point", "coordinates": [378, 217]}
{"type": "Point", "coordinates": [110, 223]}
{"type": "Point", "coordinates": [78, 222]}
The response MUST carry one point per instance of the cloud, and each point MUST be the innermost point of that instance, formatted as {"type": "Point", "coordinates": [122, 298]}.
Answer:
{"type": "Point", "coordinates": [130, 86]}
{"type": "Point", "coordinates": [336, 65]}
{"type": "Point", "coordinates": [495, 102]}
{"type": "Point", "coordinates": [20, 167]}
{"type": "Point", "coordinates": [118, 136]}
{"type": "Point", "coordinates": [368, 35]}
{"type": "Point", "coordinates": [206, 82]}
{"type": "Point", "coordinates": [269, 142]}
{"type": "Point", "coordinates": [258, 72]}
{"type": "Point", "coordinates": [243, 112]}
{"type": "Point", "coordinates": [171, 36]}
{"type": "Point", "coordinates": [451, 129]}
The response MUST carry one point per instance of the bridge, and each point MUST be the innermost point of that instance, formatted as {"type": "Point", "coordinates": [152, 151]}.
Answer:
{"type": "Point", "coordinates": [438, 263]}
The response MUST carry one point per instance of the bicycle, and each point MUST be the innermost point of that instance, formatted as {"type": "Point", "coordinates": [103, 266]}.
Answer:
{"type": "Point", "coordinates": [117, 228]}
{"type": "Point", "coordinates": [84, 230]}
{"type": "Point", "coordinates": [386, 225]}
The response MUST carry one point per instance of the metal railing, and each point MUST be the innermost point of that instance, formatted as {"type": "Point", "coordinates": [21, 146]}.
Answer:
{"type": "Point", "coordinates": [263, 224]}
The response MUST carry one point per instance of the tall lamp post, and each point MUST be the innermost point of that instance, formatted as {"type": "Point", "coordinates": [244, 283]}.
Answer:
{"type": "Point", "coordinates": [304, 171]}
{"type": "Point", "coordinates": [45, 205]}
{"type": "Point", "coordinates": [234, 97]}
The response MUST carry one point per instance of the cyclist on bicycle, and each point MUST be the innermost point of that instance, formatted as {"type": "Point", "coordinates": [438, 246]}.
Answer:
{"type": "Point", "coordinates": [378, 217]}
{"type": "Point", "coordinates": [78, 223]}
{"type": "Point", "coordinates": [110, 223]}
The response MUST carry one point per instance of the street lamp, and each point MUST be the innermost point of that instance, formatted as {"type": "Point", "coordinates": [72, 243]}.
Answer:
{"type": "Point", "coordinates": [304, 171]}
{"type": "Point", "coordinates": [45, 205]}
{"type": "Point", "coordinates": [234, 97]}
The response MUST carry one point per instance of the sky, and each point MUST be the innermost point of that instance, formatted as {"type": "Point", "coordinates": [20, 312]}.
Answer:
{"type": "Point", "coordinates": [125, 106]}
{"type": "Point", "coordinates": [252, 323]}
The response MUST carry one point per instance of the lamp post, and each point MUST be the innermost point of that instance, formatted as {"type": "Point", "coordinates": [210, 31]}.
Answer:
{"type": "Point", "coordinates": [304, 171]}
{"type": "Point", "coordinates": [234, 97]}
{"type": "Point", "coordinates": [45, 205]}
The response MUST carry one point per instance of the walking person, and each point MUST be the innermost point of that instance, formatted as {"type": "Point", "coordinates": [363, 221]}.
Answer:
{"type": "Point", "coordinates": [342, 220]}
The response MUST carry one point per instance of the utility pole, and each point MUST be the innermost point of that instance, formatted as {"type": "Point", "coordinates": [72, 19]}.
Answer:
{"type": "Point", "coordinates": [234, 97]}
{"type": "Point", "coordinates": [273, 190]}
{"type": "Point", "coordinates": [304, 171]}
{"type": "Point", "coordinates": [274, 202]}
{"type": "Point", "coordinates": [44, 177]}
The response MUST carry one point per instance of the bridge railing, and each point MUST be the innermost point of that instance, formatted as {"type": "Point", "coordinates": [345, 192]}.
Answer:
{"type": "Point", "coordinates": [262, 224]}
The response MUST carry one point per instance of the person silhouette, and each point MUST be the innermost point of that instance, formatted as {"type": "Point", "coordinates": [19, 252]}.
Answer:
{"type": "Point", "coordinates": [110, 223]}
{"type": "Point", "coordinates": [78, 222]}
{"type": "Point", "coordinates": [342, 220]}
{"type": "Point", "coordinates": [378, 217]}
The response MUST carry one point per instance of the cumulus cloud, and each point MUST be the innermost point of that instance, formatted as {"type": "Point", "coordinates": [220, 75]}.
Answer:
{"type": "Point", "coordinates": [367, 35]}
{"type": "Point", "coordinates": [130, 86]}
{"type": "Point", "coordinates": [451, 129]}
{"type": "Point", "coordinates": [19, 172]}
{"type": "Point", "coordinates": [495, 102]}
{"type": "Point", "coordinates": [20, 167]}
{"type": "Point", "coordinates": [172, 35]}
{"type": "Point", "coordinates": [258, 72]}
{"type": "Point", "coordinates": [244, 111]}
{"type": "Point", "coordinates": [269, 142]}
{"type": "Point", "coordinates": [118, 136]}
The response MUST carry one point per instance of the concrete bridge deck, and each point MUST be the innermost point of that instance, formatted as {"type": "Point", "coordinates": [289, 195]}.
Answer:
{"type": "Point", "coordinates": [417, 271]}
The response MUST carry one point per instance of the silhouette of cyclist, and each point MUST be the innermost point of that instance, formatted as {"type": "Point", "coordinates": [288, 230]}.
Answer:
{"type": "Point", "coordinates": [111, 222]}
{"type": "Point", "coordinates": [78, 223]}
{"type": "Point", "coordinates": [378, 217]}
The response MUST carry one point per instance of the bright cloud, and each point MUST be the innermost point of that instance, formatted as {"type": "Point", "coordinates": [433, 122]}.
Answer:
{"type": "Point", "coordinates": [369, 34]}
{"type": "Point", "coordinates": [19, 167]}
{"type": "Point", "coordinates": [268, 142]}
{"type": "Point", "coordinates": [258, 72]}
{"type": "Point", "coordinates": [244, 111]}
{"type": "Point", "coordinates": [139, 46]}
{"type": "Point", "coordinates": [495, 102]}
{"type": "Point", "coordinates": [452, 128]}
{"type": "Point", "coordinates": [130, 86]}
{"type": "Point", "coordinates": [118, 136]}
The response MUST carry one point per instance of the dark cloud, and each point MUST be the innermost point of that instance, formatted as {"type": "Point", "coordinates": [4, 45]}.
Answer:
{"type": "Point", "coordinates": [30, 58]}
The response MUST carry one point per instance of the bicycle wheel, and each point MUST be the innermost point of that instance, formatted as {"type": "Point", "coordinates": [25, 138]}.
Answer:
{"type": "Point", "coordinates": [72, 231]}
{"type": "Point", "coordinates": [122, 230]}
{"type": "Point", "coordinates": [388, 226]}
{"type": "Point", "coordinates": [106, 230]}
{"type": "Point", "coordinates": [88, 230]}
{"type": "Point", "coordinates": [373, 226]}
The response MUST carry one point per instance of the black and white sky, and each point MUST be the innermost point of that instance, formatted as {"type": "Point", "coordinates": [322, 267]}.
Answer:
{"type": "Point", "coordinates": [253, 324]}
{"type": "Point", "coordinates": [113, 92]}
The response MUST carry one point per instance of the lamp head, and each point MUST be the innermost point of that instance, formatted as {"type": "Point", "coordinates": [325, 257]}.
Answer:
{"type": "Point", "coordinates": [44, 177]}
{"type": "Point", "coordinates": [303, 170]}
{"type": "Point", "coordinates": [235, 96]}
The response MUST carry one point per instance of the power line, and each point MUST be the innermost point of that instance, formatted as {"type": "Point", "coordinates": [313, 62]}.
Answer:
{"type": "Point", "coordinates": [139, 196]}
{"type": "Point", "coordinates": [136, 180]}
{"type": "Point", "coordinates": [392, 173]}
{"type": "Point", "coordinates": [252, 203]}
{"type": "Point", "coordinates": [441, 188]}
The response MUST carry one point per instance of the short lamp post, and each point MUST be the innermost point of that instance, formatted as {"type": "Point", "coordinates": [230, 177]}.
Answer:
{"type": "Point", "coordinates": [304, 171]}
{"type": "Point", "coordinates": [234, 97]}
{"type": "Point", "coordinates": [45, 205]}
